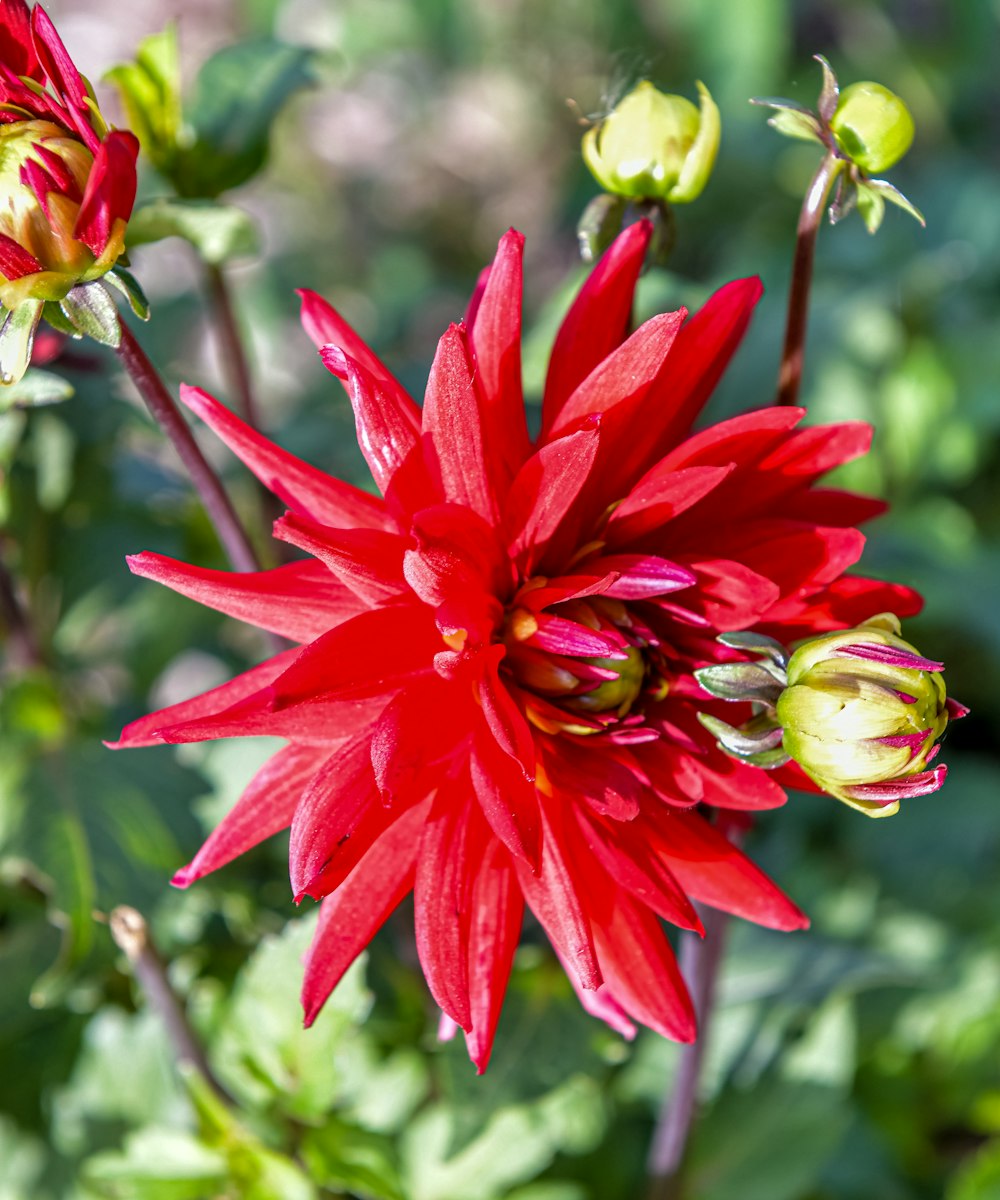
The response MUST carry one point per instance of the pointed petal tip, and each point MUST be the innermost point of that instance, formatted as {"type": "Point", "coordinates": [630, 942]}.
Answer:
{"type": "Point", "coordinates": [185, 876]}
{"type": "Point", "coordinates": [335, 360]}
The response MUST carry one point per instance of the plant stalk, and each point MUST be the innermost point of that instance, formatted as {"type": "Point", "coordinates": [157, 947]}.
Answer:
{"type": "Point", "coordinates": [166, 414]}
{"type": "Point", "coordinates": [231, 344]}
{"type": "Point", "coordinates": [790, 374]}
{"type": "Point", "coordinates": [132, 936]}
{"type": "Point", "coordinates": [700, 959]}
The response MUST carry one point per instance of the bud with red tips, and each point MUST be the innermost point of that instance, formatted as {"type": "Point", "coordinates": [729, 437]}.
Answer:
{"type": "Point", "coordinates": [68, 183]}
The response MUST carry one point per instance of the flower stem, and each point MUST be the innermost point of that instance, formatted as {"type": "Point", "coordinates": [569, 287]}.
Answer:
{"type": "Point", "coordinates": [23, 648]}
{"type": "Point", "coordinates": [165, 412]}
{"type": "Point", "coordinates": [131, 935]}
{"type": "Point", "coordinates": [790, 375]}
{"type": "Point", "coordinates": [700, 959]}
{"type": "Point", "coordinates": [231, 343]}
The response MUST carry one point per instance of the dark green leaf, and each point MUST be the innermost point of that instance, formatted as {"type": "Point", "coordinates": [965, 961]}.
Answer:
{"type": "Point", "coordinates": [236, 97]}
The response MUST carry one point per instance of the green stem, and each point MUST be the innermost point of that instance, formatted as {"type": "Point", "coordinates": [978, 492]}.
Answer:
{"type": "Point", "coordinates": [168, 416]}
{"type": "Point", "coordinates": [790, 375]}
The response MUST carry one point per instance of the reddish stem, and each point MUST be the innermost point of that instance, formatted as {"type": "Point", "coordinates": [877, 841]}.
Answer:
{"type": "Point", "coordinates": [167, 415]}
{"type": "Point", "coordinates": [231, 344]}
{"type": "Point", "coordinates": [22, 646]}
{"type": "Point", "coordinates": [700, 960]}
{"type": "Point", "coordinates": [790, 375]}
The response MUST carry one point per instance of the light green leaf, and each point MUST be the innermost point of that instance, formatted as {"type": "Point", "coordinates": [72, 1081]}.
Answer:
{"type": "Point", "coordinates": [263, 1053]}
{"type": "Point", "coordinates": [150, 91]}
{"type": "Point", "coordinates": [219, 232]}
{"type": "Point", "coordinates": [158, 1164]}
{"type": "Point", "coordinates": [17, 335]}
{"type": "Point", "coordinates": [345, 1158]}
{"type": "Point", "coordinates": [35, 389]}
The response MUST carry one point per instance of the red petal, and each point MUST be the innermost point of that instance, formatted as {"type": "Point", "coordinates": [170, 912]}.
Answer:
{"type": "Point", "coordinates": [597, 322]}
{"type": "Point", "coordinates": [454, 432]}
{"type": "Point", "coordinates": [145, 731]}
{"type": "Point", "coordinates": [502, 713]}
{"type": "Point", "coordinates": [495, 337]}
{"type": "Point", "coordinates": [15, 261]}
{"type": "Point", "coordinates": [640, 575]}
{"type": "Point", "coordinates": [711, 869]}
{"type": "Point", "coordinates": [640, 968]}
{"type": "Point", "coordinates": [742, 439]}
{"type": "Point", "coordinates": [368, 561]}
{"type": "Point", "coordinates": [110, 191]}
{"type": "Point", "coordinates": [297, 600]}
{"type": "Point", "coordinates": [404, 745]}
{"type": "Point", "coordinates": [326, 327]}
{"type": "Point", "coordinates": [329, 811]}
{"type": "Point", "coordinates": [659, 497]}
{"type": "Point", "coordinates": [497, 909]}
{"type": "Point", "coordinates": [623, 379]}
{"type": "Point", "coordinates": [374, 653]}
{"type": "Point", "coordinates": [508, 800]}
{"type": "Point", "coordinates": [543, 493]}
{"type": "Point", "coordinates": [17, 52]}
{"type": "Point", "coordinates": [845, 602]}
{"type": "Point", "coordinates": [351, 917]}
{"type": "Point", "coordinates": [442, 915]}
{"type": "Point", "coordinates": [559, 901]}
{"type": "Point", "coordinates": [697, 360]}
{"type": "Point", "coordinates": [302, 487]}
{"type": "Point", "coordinates": [389, 436]}
{"type": "Point", "coordinates": [61, 71]}
{"type": "Point", "coordinates": [265, 808]}
{"type": "Point", "coordinates": [729, 594]}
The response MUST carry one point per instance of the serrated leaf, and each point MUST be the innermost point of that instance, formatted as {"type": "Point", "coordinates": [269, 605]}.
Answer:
{"type": "Point", "coordinates": [219, 232]}
{"type": "Point", "coordinates": [236, 97]}
{"type": "Point", "coordinates": [35, 389]}
{"type": "Point", "coordinates": [262, 1053]}
{"type": "Point", "coordinates": [158, 1164]}
{"type": "Point", "coordinates": [90, 310]}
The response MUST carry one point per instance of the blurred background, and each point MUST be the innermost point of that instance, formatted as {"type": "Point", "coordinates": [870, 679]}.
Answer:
{"type": "Point", "coordinates": [860, 1059]}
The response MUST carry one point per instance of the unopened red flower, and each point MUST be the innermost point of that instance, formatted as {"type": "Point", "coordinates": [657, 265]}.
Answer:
{"type": "Point", "coordinates": [493, 704]}
{"type": "Point", "coordinates": [68, 183]}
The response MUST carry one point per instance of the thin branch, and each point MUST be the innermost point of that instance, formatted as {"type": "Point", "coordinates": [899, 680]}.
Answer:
{"type": "Point", "coordinates": [165, 412]}
{"type": "Point", "coordinates": [700, 959]}
{"type": "Point", "coordinates": [131, 935]}
{"type": "Point", "coordinates": [790, 375]}
{"type": "Point", "coordinates": [231, 344]}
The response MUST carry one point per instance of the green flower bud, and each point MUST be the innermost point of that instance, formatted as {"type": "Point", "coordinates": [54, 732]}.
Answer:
{"type": "Point", "coordinates": [861, 715]}
{"type": "Point", "coordinates": [655, 147]}
{"type": "Point", "coordinates": [872, 126]}
{"type": "Point", "coordinates": [860, 711]}
{"type": "Point", "coordinates": [619, 694]}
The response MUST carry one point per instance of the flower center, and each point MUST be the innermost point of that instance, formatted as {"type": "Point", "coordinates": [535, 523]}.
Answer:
{"type": "Point", "coordinates": [582, 663]}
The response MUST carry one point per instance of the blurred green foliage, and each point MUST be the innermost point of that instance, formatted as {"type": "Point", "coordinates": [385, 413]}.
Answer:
{"type": "Point", "coordinates": [861, 1059]}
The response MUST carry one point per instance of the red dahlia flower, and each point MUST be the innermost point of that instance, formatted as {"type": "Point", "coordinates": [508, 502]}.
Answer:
{"type": "Point", "coordinates": [493, 702]}
{"type": "Point", "coordinates": [68, 183]}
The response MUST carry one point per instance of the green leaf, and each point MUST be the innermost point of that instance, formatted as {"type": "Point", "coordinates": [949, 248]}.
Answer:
{"type": "Point", "coordinates": [35, 389]}
{"type": "Point", "coordinates": [871, 206]}
{"type": "Point", "coordinates": [345, 1158]}
{"type": "Point", "coordinates": [22, 1161]}
{"type": "Point", "coordinates": [90, 310]}
{"type": "Point", "coordinates": [766, 1143]}
{"type": "Point", "coordinates": [262, 1053]}
{"type": "Point", "coordinates": [158, 1164]}
{"type": "Point", "coordinates": [150, 90]}
{"type": "Point", "coordinates": [219, 232]}
{"type": "Point", "coordinates": [236, 97]}
{"type": "Point", "coordinates": [885, 190]}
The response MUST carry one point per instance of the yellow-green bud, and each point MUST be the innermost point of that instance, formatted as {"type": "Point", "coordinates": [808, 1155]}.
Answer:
{"type": "Point", "coordinates": [654, 146]}
{"type": "Point", "coordinates": [620, 693]}
{"type": "Point", "coordinates": [861, 715]}
{"type": "Point", "coordinates": [872, 126]}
